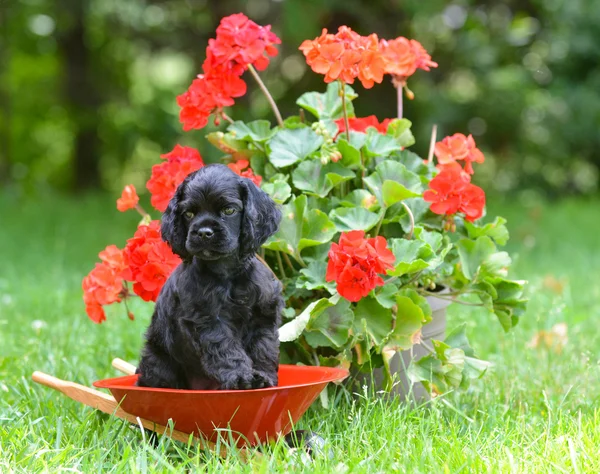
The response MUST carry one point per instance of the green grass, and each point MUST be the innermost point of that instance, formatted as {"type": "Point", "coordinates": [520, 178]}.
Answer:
{"type": "Point", "coordinates": [536, 411]}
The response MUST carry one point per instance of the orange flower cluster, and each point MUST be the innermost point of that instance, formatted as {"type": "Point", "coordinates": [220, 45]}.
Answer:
{"type": "Point", "coordinates": [146, 260]}
{"type": "Point", "coordinates": [348, 55]}
{"type": "Point", "coordinates": [403, 57]}
{"type": "Point", "coordinates": [459, 148]}
{"type": "Point", "coordinates": [345, 56]}
{"type": "Point", "coordinates": [104, 284]}
{"type": "Point", "coordinates": [166, 176]}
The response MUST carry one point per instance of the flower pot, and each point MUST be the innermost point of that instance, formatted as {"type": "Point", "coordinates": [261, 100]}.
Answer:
{"type": "Point", "coordinates": [403, 388]}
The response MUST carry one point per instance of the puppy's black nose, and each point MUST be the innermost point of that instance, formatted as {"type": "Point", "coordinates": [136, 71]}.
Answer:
{"type": "Point", "coordinates": [205, 233]}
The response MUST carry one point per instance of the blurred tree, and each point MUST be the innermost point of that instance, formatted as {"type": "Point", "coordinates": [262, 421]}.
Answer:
{"type": "Point", "coordinates": [88, 87]}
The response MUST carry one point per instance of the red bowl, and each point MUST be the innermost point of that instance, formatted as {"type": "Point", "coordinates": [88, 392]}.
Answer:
{"type": "Point", "coordinates": [252, 415]}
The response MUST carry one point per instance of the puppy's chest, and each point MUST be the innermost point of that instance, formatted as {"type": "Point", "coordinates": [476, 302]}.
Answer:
{"type": "Point", "coordinates": [233, 298]}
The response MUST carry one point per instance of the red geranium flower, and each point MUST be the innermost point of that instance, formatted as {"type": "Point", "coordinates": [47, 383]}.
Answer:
{"type": "Point", "coordinates": [113, 257]}
{"type": "Point", "coordinates": [472, 202]}
{"type": "Point", "coordinates": [167, 176]}
{"type": "Point", "coordinates": [128, 199]}
{"type": "Point", "coordinates": [239, 167]}
{"type": "Point", "coordinates": [361, 124]}
{"type": "Point", "coordinates": [355, 262]}
{"type": "Point", "coordinates": [102, 286]}
{"type": "Point", "coordinates": [242, 41]}
{"type": "Point", "coordinates": [239, 42]}
{"type": "Point", "coordinates": [451, 192]}
{"type": "Point", "coordinates": [149, 261]}
{"type": "Point", "coordinates": [459, 147]}
{"type": "Point", "coordinates": [354, 283]}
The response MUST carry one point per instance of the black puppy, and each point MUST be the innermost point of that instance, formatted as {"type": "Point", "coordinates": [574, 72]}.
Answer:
{"type": "Point", "coordinates": [216, 319]}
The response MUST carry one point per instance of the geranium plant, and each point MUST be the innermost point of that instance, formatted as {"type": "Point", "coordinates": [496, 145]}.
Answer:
{"type": "Point", "coordinates": [370, 230]}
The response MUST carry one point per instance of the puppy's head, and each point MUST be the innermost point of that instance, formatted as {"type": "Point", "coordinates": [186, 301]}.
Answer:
{"type": "Point", "coordinates": [215, 213]}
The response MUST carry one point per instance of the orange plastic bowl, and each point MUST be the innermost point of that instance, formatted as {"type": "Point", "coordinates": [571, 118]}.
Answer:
{"type": "Point", "coordinates": [252, 415]}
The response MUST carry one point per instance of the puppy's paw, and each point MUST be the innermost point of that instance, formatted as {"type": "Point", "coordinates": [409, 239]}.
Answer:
{"type": "Point", "coordinates": [263, 379]}
{"type": "Point", "coordinates": [238, 380]}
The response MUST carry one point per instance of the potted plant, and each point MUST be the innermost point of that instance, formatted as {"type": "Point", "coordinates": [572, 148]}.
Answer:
{"type": "Point", "coordinates": [374, 240]}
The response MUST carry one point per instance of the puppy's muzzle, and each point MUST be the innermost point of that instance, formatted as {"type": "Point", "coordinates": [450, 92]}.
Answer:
{"type": "Point", "coordinates": [205, 233]}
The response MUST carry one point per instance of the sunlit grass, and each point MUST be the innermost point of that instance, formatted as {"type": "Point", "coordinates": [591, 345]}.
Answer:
{"type": "Point", "coordinates": [536, 411]}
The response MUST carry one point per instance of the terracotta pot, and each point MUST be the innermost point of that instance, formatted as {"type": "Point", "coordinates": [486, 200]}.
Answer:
{"type": "Point", "coordinates": [435, 329]}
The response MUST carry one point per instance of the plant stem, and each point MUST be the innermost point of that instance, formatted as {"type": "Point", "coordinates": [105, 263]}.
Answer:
{"type": "Point", "coordinates": [141, 210]}
{"type": "Point", "coordinates": [379, 223]}
{"type": "Point", "coordinates": [280, 264]}
{"type": "Point", "coordinates": [432, 143]}
{"type": "Point", "coordinates": [267, 94]}
{"type": "Point", "coordinates": [288, 261]}
{"type": "Point", "coordinates": [399, 93]}
{"type": "Point", "coordinates": [298, 259]}
{"type": "Point", "coordinates": [345, 112]}
{"type": "Point", "coordinates": [454, 300]}
{"type": "Point", "coordinates": [362, 165]}
{"type": "Point", "coordinates": [226, 117]}
{"type": "Point", "coordinates": [412, 220]}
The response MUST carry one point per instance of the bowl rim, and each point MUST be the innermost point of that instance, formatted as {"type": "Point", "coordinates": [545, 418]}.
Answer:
{"type": "Point", "coordinates": [337, 375]}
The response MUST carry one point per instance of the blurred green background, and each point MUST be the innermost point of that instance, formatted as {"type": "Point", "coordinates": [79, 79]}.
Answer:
{"type": "Point", "coordinates": [88, 87]}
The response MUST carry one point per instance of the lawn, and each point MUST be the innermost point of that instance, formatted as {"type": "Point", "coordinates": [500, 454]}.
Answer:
{"type": "Point", "coordinates": [537, 411]}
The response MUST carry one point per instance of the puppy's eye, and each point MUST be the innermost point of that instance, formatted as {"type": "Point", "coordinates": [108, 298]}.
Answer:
{"type": "Point", "coordinates": [188, 215]}
{"type": "Point", "coordinates": [228, 211]}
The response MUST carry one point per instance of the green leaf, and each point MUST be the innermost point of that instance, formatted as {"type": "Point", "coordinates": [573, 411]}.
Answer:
{"type": "Point", "coordinates": [315, 178]}
{"type": "Point", "coordinates": [359, 198]}
{"type": "Point", "coordinates": [496, 264]}
{"type": "Point", "coordinates": [330, 328]}
{"type": "Point", "coordinates": [291, 146]}
{"type": "Point", "coordinates": [393, 192]}
{"type": "Point", "coordinates": [458, 339]}
{"type": "Point", "coordinates": [357, 139]}
{"type": "Point", "coordinates": [409, 321]}
{"type": "Point", "coordinates": [328, 105]}
{"type": "Point", "coordinates": [510, 303]}
{"type": "Point", "coordinates": [386, 296]}
{"type": "Point", "coordinates": [226, 142]}
{"type": "Point", "coordinates": [256, 131]}
{"type": "Point", "coordinates": [394, 172]}
{"type": "Point", "coordinates": [291, 331]}
{"type": "Point", "coordinates": [419, 300]}
{"type": "Point", "coordinates": [279, 191]}
{"type": "Point", "coordinates": [473, 254]}
{"type": "Point", "coordinates": [410, 255]}
{"type": "Point", "coordinates": [313, 277]}
{"type": "Point", "coordinates": [294, 121]}
{"type": "Point", "coordinates": [400, 130]}
{"type": "Point", "coordinates": [350, 154]}
{"type": "Point", "coordinates": [353, 218]}
{"type": "Point", "coordinates": [496, 230]}
{"type": "Point", "coordinates": [301, 228]}
{"type": "Point", "coordinates": [374, 318]}
{"type": "Point", "coordinates": [381, 145]}
{"type": "Point", "coordinates": [430, 372]}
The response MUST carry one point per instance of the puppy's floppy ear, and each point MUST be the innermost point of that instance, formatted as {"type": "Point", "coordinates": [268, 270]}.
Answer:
{"type": "Point", "coordinates": [260, 220]}
{"type": "Point", "coordinates": [173, 228]}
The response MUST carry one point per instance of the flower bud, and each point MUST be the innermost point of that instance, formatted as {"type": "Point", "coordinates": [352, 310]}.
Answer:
{"type": "Point", "coordinates": [324, 160]}
{"type": "Point", "coordinates": [335, 156]}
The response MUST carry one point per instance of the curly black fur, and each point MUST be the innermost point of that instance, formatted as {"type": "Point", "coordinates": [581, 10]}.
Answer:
{"type": "Point", "coordinates": [216, 318]}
